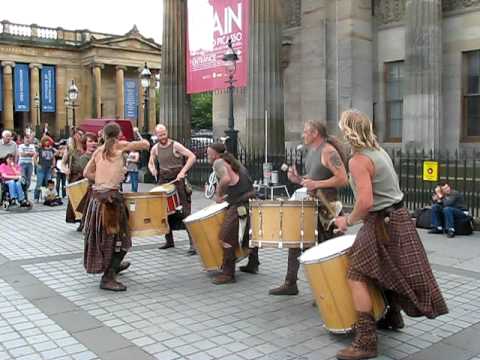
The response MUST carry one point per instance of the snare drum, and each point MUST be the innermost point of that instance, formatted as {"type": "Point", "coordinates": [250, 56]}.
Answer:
{"type": "Point", "coordinates": [147, 213]}
{"type": "Point", "coordinates": [326, 268]}
{"type": "Point", "coordinates": [173, 200]}
{"type": "Point", "coordinates": [279, 224]}
{"type": "Point", "coordinates": [76, 191]}
{"type": "Point", "coordinates": [204, 228]}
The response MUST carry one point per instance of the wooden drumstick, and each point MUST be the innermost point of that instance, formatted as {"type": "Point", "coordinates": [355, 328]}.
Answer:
{"type": "Point", "coordinates": [325, 202]}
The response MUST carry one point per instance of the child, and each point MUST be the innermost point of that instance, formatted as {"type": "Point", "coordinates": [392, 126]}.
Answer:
{"type": "Point", "coordinates": [51, 197]}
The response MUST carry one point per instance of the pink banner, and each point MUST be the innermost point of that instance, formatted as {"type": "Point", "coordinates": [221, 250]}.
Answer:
{"type": "Point", "coordinates": [210, 24]}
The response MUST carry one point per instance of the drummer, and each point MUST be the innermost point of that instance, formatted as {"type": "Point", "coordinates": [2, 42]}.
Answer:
{"type": "Point", "coordinates": [214, 153]}
{"type": "Point", "coordinates": [235, 187]}
{"type": "Point", "coordinates": [325, 172]}
{"type": "Point", "coordinates": [387, 249]}
{"type": "Point", "coordinates": [107, 236]}
{"type": "Point", "coordinates": [167, 163]}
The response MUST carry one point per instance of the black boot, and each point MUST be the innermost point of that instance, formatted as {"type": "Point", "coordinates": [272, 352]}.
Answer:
{"type": "Point", "coordinates": [252, 265]}
{"type": "Point", "coordinates": [393, 318]}
{"type": "Point", "coordinates": [168, 241]}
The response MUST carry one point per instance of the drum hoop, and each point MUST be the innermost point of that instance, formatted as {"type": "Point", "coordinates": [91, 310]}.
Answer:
{"type": "Point", "coordinates": [81, 181]}
{"type": "Point", "coordinates": [186, 221]}
{"type": "Point", "coordinates": [278, 204]}
{"type": "Point", "coordinates": [330, 257]}
{"type": "Point", "coordinates": [149, 195]}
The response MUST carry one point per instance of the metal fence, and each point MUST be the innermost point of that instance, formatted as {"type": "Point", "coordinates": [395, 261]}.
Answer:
{"type": "Point", "coordinates": [459, 169]}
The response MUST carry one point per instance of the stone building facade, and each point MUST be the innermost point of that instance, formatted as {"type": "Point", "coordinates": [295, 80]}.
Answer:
{"type": "Point", "coordinates": [100, 64]}
{"type": "Point", "coordinates": [412, 65]}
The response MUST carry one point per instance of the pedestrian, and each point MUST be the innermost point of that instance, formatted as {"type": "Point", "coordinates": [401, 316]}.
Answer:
{"type": "Point", "coordinates": [45, 160]}
{"type": "Point", "coordinates": [132, 169]}
{"type": "Point", "coordinates": [26, 154]}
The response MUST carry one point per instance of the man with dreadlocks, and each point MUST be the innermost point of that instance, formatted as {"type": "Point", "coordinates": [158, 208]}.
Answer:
{"type": "Point", "coordinates": [107, 236]}
{"type": "Point", "coordinates": [387, 250]}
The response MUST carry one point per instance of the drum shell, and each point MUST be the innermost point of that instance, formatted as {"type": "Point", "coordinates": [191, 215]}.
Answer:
{"type": "Point", "coordinates": [328, 282]}
{"type": "Point", "coordinates": [205, 234]}
{"type": "Point", "coordinates": [147, 213]}
{"type": "Point", "coordinates": [76, 191]}
{"type": "Point", "coordinates": [291, 217]}
{"type": "Point", "coordinates": [173, 200]}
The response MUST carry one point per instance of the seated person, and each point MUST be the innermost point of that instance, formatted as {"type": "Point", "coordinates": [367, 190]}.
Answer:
{"type": "Point", "coordinates": [448, 206]}
{"type": "Point", "coordinates": [51, 196]}
{"type": "Point", "coordinates": [11, 174]}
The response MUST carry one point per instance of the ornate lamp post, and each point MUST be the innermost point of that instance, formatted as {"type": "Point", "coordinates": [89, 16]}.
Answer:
{"type": "Point", "coordinates": [66, 101]}
{"type": "Point", "coordinates": [230, 58]}
{"type": "Point", "coordinates": [145, 77]}
{"type": "Point", "coordinates": [72, 96]}
{"type": "Point", "coordinates": [36, 102]}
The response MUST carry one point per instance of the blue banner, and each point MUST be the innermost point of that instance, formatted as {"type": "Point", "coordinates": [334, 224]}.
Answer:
{"type": "Point", "coordinates": [22, 87]}
{"type": "Point", "coordinates": [131, 99]}
{"type": "Point", "coordinates": [48, 88]}
{"type": "Point", "coordinates": [1, 88]}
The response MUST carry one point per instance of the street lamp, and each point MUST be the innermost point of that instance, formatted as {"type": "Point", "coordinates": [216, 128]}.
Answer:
{"type": "Point", "coordinates": [72, 96]}
{"type": "Point", "coordinates": [36, 102]}
{"type": "Point", "coordinates": [230, 58]}
{"type": "Point", "coordinates": [66, 101]}
{"type": "Point", "coordinates": [145, 77]}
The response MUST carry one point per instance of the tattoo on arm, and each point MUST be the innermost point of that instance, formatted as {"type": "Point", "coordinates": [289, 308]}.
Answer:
{"type": "Point", "coordinates": [335, 160]}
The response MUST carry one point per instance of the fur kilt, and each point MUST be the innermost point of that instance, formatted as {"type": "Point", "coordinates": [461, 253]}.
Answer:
{"type": "Point", "coordinates": [392, 256]}
{"type": "Point", "coordinates": [229, 230]}
{"type": "Point", "coordinates": [106, 230]}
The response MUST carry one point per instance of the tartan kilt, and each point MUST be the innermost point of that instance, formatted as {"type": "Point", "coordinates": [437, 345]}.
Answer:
{"type": "Point", "coordinates": [392, 256]}
{"type": "Point", "coordinates": [106, 230]}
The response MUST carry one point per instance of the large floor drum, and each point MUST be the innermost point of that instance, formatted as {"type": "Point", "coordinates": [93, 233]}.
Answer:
{"type": "Point", "coordinates": [326, 268]}
{"type": "Point", "coordinates": [147, 213]}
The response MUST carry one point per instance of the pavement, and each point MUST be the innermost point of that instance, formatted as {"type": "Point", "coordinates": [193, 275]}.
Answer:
{"type": "Point", "coordinates": [51, 309]}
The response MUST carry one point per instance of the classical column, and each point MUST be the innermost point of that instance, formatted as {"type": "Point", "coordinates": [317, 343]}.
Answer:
{"type": "Point", "coordinates": [175, 107]}
{"type": "Point", "coordinates": [97, 89]}
{"type": "Point", "coordinates": [422, 107]}
{"type": "Point", "coordinates": [120, 91]}
{"type": "Point", "coordinates": [34, 91]}
{"type": "Point", "coordinates": [8, 94]}
{"type": "Point", "coordinates": [60, 93]}
{"type": "Point", "coordinates": [264, 89]}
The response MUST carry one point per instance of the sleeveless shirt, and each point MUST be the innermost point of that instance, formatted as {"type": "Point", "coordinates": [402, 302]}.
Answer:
{"type": "Point", "coordinates": [167, 161]}
{"type": "Point", "coordinates": [385, 186]}
{"type": "Point", "coordinates": [315, 170]}
{"type": "Point", "coordinates": [244, 185]}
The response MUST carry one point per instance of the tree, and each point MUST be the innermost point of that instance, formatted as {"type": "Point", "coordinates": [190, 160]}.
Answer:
{"type": "Point", "coordinates": [202, 111]}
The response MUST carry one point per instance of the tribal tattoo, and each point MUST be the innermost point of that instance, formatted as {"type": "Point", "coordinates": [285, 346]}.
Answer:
{"type": "Point", "coordinates": [335, 160]}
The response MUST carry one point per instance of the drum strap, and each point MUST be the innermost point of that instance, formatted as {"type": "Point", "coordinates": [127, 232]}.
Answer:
{"type": "Point", "coordinates": [242, 226]}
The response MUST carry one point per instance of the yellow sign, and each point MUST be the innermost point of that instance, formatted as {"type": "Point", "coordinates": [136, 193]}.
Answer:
{"type": "Point", "coordinates": [430, 170]}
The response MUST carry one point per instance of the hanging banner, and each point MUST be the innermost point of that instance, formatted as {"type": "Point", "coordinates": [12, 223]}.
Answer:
{"type": "Point", "coordinates": [131, 99]}
{"type": "Point", "coordinates": [48, 88]}
{"type": "Point", "coordinates": [21, 86]}
{"type": "Point", "coordinates": [211, 23]}
{"type": "Point", "coordinates": [1, 88]}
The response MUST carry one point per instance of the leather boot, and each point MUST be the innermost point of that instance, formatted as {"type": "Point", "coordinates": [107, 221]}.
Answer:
{"type": "Point", "coordinates": [393, 318]}
{"type": "Point", "coordinates": [119, 264]}
{"type": "Point", "coordinates": [168, 241]}
{"type": "Point", "coordinates": [227, 276]}
{"type": "Point", "coordinates": [287, 288]}
{"type": "Point", "coordinates": [109, 282]}
{"type": "Point", "coordinates": [364, 345]}
{"type": "Point", "coordinates": [252, 265]}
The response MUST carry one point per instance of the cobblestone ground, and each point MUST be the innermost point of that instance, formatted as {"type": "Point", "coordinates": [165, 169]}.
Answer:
{"type": "Point", "coordinates": [51, 309]}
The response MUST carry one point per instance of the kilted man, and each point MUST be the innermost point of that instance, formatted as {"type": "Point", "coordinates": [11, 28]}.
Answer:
{"type": "Point", "coordinates": [169, 163]}
{"type": "Point", "coordinates": [387, 251]}
{"type": "Point", "coordinates": [107, 236]}
{"type": "Point", "coordinates": [324, 174]}
{"type": "Point", "coordinates": [214, 153]}
{"type": "Point", "coordinates": [234, 187]}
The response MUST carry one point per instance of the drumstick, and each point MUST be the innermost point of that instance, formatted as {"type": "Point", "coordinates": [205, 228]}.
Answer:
{"type": "Point", "coordinates": [325, 202]}
{"type": "Point", "coordinates": [171, 182]}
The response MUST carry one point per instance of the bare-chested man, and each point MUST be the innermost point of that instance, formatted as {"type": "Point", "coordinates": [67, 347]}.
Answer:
{"type": "Point", "coordinates": [107, 236]}
{"type": "Point", "coordinates": [167, 163]}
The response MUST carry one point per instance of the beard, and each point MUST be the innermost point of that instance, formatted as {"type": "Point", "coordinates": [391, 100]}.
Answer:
{"type": "Point", "coordinates": [163, 141]}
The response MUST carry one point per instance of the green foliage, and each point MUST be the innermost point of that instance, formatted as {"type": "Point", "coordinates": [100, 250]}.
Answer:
{"type": "Point", "coordinates": [202, 111]}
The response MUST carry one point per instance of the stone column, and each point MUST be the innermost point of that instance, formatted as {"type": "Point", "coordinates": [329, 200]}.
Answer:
{"type": "Point", "coordinates": [61, 91]}
{"type": "Point", "coordinates": [175, 107]}
{"type": "Point", "coordinates": [34, 91]}
{"type": "Point", "coordinates": [264, 89]}
{"type": "Point", "coordinates": [152, 116]}
{"type": "Point", "coordinates": [422, 107]}
{"type": "Point", "coordinates": [97, 89]}
{"type": "Point", "coordinates": [8, 94]}
{"type": "Point", "coordinates": [120, 91]}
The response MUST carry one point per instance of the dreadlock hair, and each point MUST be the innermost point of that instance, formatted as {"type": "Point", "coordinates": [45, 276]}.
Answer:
{"type": "Point", "coordinates": [322, 131]}
{"type": "Point", "coordinates": [358, 130]}
{"type": "Point", "coordinates": [110, 133]}
{"type": "Point", "coordinates": [231, 160]}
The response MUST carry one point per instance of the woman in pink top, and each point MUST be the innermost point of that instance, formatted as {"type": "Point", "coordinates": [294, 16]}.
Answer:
{"type": "Point", "coordinates": [11, 174]}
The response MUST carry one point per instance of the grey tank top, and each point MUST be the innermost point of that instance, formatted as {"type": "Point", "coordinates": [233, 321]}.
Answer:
{"type": "Point", "coordinates": [167, 160]}
{"type": "Point", "coordinates": [315, 170]}
{"type": "Point", "coordinates": [386, 189]}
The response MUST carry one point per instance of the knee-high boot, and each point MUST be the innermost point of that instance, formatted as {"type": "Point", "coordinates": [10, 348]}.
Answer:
{"type": "Point", "coordinates": [364, 345]}
{"type": "Point", "coordinates": [108, 281]}
{"type": "Point", "coordinates": [253, 262]}
{"type": "Point", "coordinates": [289, 287]}
{"type": "Point", "coordinates": [393, 318]}
{"type": "Point", "coordinates": [228, 270]}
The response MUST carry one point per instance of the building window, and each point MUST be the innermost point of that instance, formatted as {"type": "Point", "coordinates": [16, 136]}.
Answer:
{"type": "Point", "coordinates": [471, 96]}
{"type": "Point", "coordinates": [394, 100]}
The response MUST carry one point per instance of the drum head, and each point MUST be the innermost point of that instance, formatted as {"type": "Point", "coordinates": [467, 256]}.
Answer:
{"type": "Point", "coordinates": [166, 188]}
{"type": "Point", "coordinates": [327, 249]}
{"type": "Point", "coordinates": [77, 182]}
{"type": "Point", "coordinates": [206, 212]}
